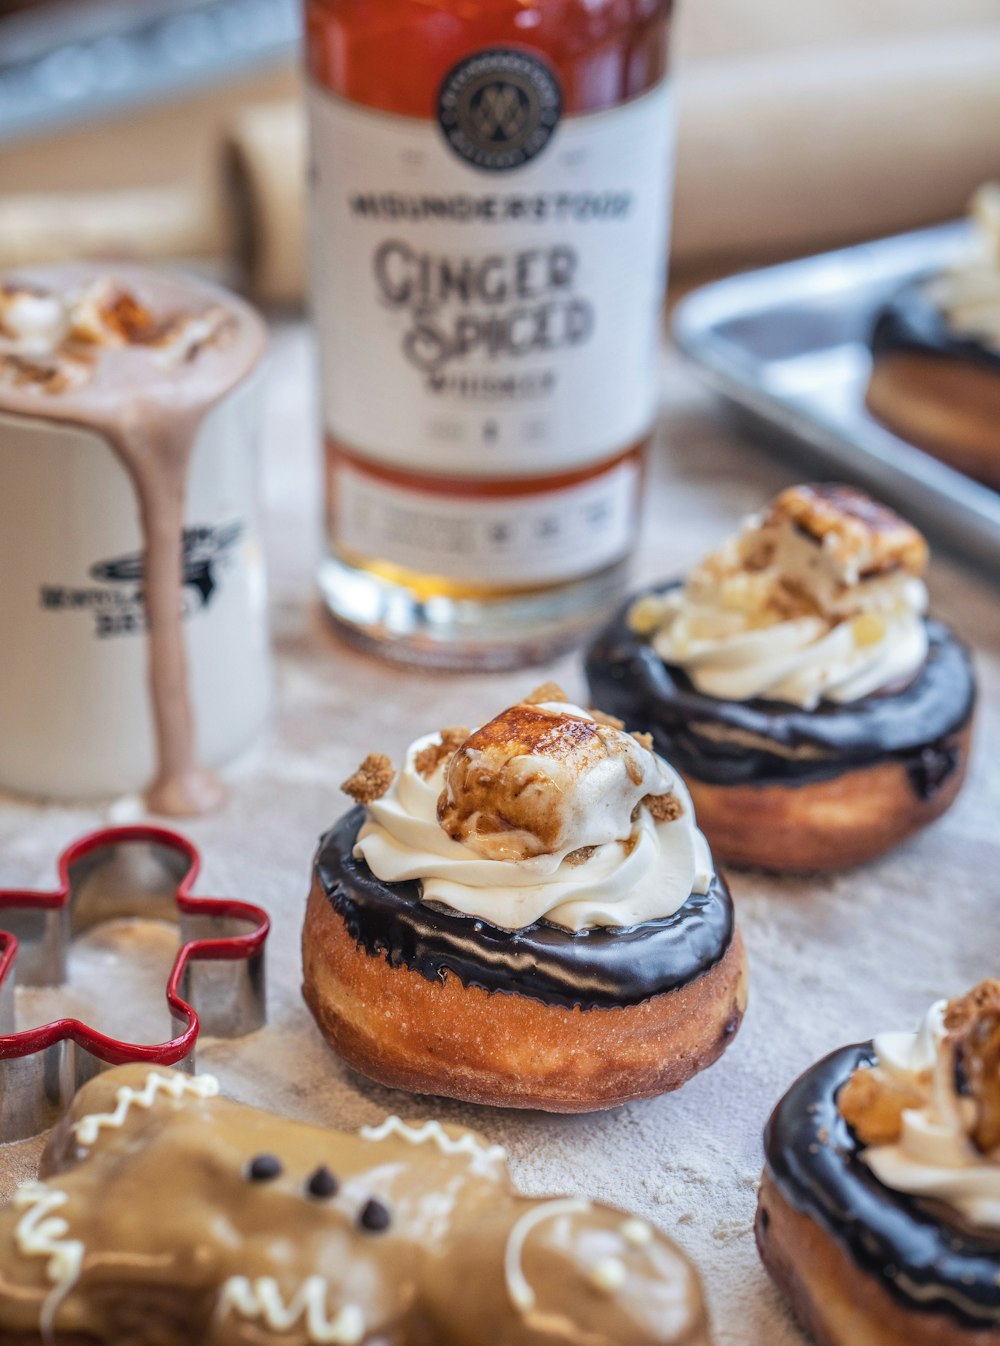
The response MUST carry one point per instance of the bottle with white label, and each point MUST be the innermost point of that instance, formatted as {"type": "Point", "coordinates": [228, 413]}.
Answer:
{"type": "Point", "coordinates": [489, 218]}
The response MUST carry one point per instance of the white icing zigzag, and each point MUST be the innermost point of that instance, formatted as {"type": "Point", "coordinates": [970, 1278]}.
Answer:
{"type": "Point", "coordinates": [39, 1233]}
{"type": "Point", "coordinates": [87, 1129]}
{"type": "Point", "coordinates": [261, 1298]}
{"type": "Point", "coordinates": [522, 1296]}
{"type": "Point", "coordinates": [467, 1143]}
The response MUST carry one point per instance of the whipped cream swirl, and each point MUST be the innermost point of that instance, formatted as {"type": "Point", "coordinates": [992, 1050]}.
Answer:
{"type": "Point", "coordinates": [790, 615]}
{"type": "Point", "coordinates": [616, 864]}
{"type": "Point", "coordinates": [934, 1156]}
{"type": "Point", "coordinates": [968, 295]}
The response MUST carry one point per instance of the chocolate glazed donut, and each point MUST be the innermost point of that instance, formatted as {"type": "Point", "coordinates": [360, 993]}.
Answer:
{"type": "Point", "coordinates": [424, 998]}
{"type": "Point", "coordinates": [863, 1265]}
{"type": "Point", "coordinates": [791, 789]}
{"type": "Point", "coordinates": [937, 389]}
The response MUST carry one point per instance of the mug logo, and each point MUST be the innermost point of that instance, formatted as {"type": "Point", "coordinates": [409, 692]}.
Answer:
{"type": "Point", "coordinates": [203, 549]}
{"type": "Point", "coordinates": [117, 601]}
{"type": "Point", "coordinates": [499, 107]}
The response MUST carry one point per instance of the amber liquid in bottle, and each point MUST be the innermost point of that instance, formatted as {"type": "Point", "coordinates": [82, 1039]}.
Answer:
{"type": "Point", "coordinates": [490, 190]}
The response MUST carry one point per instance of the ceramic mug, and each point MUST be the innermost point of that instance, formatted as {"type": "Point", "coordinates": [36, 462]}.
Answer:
{"type": "Point", "coordinates": [76, 718]}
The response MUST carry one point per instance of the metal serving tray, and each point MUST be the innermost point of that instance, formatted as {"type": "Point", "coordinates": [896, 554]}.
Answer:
{"type": "Point", "coordinates": [69, 60]}
{"type": "Point", "coordinates": [787, 346]}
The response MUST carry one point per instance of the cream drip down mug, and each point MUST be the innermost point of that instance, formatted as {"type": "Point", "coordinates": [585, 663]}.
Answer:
{"type": "Point", "coordinates": [132, 588]}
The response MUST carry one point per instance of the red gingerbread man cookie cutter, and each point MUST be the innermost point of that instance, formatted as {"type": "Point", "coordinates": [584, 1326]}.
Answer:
{"type": "Point", "coordinates": [216, 984]}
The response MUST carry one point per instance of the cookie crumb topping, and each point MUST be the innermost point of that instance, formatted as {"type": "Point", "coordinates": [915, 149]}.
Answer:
{"type": "Point", "coordinates": [371, 780]}
{"type": "Point", "coordinates": [665, 808]}
{"type": "Point", "coordinates": [872, 1104]}
{"type": "Point", "coordinates": [973, 1025]}
{"type": "Point", "coordinates": [428, 759]}
{"type": "Point", "coordinates": [873, 1100]}
{"type": "Point", "coordinates": [581, 855]}
{"type": "Point", "coordinates": [862, 534]}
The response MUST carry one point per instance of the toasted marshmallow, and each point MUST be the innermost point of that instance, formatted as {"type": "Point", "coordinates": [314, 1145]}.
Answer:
{"type": "Point", "coordinates": [545, 779]}
{"type": "Point", "coordinates": [31, 321]}
{"type": "Point", "coordinates": [50, 341]}
{"type": "Point", "coordinates": [42, 375]}
{"type": "Point", "coordinates": [191, 333]}
{"type": "Point", "coordinates": [936, 1096]}
{"type": "Point", "coordinates": [543, 814]}
{"type": "Point", "coordinates": [848, 537]}
{"type": "Point", "coordinates": [105, 314]}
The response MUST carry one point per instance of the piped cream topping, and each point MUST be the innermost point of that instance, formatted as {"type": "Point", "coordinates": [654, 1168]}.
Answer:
{"type": "Point", "coordinates": [935, 1155]}
{"type": "Point", "coordinates": [540, 815]}
{"type": "Point", "coordinates": [968, 295]}
{"type": "Point", "coordinates": [820, 597]}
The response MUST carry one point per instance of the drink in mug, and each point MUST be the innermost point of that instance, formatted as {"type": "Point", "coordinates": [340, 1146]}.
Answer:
{"type": "Point", "coordinates": [132, 596]}
{"type": "Point", "coordinates": [489, 217]}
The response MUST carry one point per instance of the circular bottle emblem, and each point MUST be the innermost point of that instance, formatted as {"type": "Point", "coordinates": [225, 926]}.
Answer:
{"type": "Point", "coordinates": [499, 107]}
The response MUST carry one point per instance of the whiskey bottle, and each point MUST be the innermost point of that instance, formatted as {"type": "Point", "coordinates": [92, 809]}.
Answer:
{"type": "Point", "coordinates": [490, 184]}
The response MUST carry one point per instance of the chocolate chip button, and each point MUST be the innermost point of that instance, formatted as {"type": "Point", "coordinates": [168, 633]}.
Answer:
{"type": "Point", "coordinates": [264, 1167]}
{"type": "Point", "coordinates": [322, 1183]}
{"type": "Point", "coordinates": [374, 1217]}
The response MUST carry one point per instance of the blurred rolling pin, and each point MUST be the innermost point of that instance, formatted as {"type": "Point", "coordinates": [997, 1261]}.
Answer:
{"type": "Point", "coordinates": [265, 172]}
{"type": "Point", "coordinates": [153, 223]}
{"type": "Point", "coordinates": [248, 222]}
{"type": "Point", "coordinates": [779, 153]}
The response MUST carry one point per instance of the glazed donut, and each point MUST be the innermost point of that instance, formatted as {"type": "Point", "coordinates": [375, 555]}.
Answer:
{"type": "Point", "coordinates": [167, 1213]}
{"type": "Point", "coordinates": [821, 784]}
{"type": "Point", "coordinates": [645, 986]}
{"type": "Point", "coordinates": [935, 378]}
{"type": "Point", "coordinates": [934, 388]}
{"type": "Point", "coordinates": [873, 1244]}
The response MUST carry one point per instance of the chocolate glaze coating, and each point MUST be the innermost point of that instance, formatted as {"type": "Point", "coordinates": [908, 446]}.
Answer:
{"type": "Point", "coordinates": [763, 742]}
{"type": "Point", "coordinates": [589, 969]}
{"type": "Point", "coordinates": [920, 1251]}
{"type": "Point", "coordinates": [910, 321]}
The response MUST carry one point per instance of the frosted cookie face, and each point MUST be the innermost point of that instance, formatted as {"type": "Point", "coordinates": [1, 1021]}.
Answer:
{"type": "Point", "coordinates": [242, 1226]}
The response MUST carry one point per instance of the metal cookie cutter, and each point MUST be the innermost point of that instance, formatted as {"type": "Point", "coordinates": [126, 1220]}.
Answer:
{"type": "Point", "coordinates": [120, 872]}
